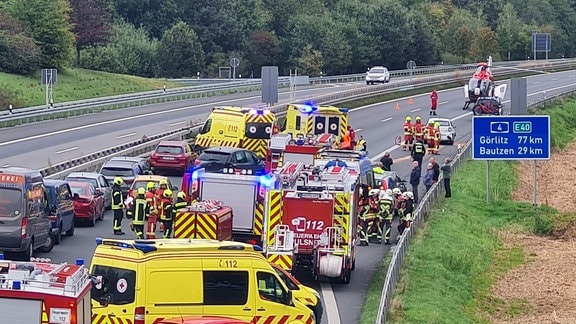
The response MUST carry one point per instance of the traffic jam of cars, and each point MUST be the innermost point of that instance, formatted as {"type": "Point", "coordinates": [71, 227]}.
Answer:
{"type": "Point", "coordinates": [260, 204]}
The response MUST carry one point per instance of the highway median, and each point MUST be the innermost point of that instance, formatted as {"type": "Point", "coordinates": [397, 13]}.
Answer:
{"type": "Point", "coordinates": [453, 269]}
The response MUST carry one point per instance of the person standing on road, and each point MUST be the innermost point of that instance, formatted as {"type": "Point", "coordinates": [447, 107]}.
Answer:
{"type": "Point", "coordinates": [387, 162]}
{"type": "Point", "coordinates": [418, 151]}
{"type": "Point", "coordinates": [428, 176]}
{"type": "Point", "coordinates": [436, 169]}
{"type": "Point", "coordinates": [415, 179]}
{"type": "Point", "coordinates": [117, 206]}
{"type": "Point", "coordinates": [153, 216]}
{"type": "Point", "coordinates": [139, 212]}
{"type": "Point", "coordinates": [406, 218]}
{"type": "Point", "coordinates": [446, 174]}
{"type": "Point", "coordinates": [434, 102]}
{"type": "Point", "coordinates": [167, 216]}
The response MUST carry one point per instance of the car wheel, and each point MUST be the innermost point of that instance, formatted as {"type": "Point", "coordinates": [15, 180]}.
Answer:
{"type": "Point", "coordinates": [70, 232]}
{"type": "Point", "coordinates": [388, 80]}
{"type": "Point", "coordinates": [26, 255]}
{"type": "Point", "coordinates": [367, 82]}
{"type": "Point", "coordinates": [49, 245]}
{"type": "Point", "coordinates": [92, 222]}
{"type": "Point", "coordinates": [58, 237]}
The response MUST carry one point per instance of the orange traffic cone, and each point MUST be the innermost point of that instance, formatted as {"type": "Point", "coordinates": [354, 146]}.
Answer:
{"type": "Point", "coordinates": [397, 106]}
{"type": "Point", "coordinates": [410, 101]}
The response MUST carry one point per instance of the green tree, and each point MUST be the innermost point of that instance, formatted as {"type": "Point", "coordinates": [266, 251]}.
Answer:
{"type": "Point", "coordinates": [461, 29]}
{"type": "Point", "coordinates": [18, 52]}
{"type": "Point", "coordinates": [485, 44]}
{"type": "Point", "coordinates": [47, 21]}
{"type": "Point", "coordinates": [180, 54]}
{"type": "Point", "coordinates": [509, 30]}
{"type": "Point", "coordinates": [154, 16]}
{"type": "Point", "coordinates": [92, 23]}
{"type": "Point", "coordinates": [423, 41]}
{"type": "Point", "coordinates": [310, 61]}
{"type": "Point", "coordinates": [264, 49]}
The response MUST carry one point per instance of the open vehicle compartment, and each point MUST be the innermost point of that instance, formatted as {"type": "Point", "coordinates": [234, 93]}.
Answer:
{"type": "Point", "coordinates": [240, 196]}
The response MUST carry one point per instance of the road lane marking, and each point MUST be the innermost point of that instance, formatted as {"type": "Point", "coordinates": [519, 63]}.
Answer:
{"type": "Point", "coordinates": [358, 129]}
{"type": "Point", "coordinates": [6, 165]}
{"type": "Point", "coordinates": [415, 110]}
{"type": "Point", "coordinates": [387, 119]}
{"type": "Point", "coordinates": [125, 135]}
{"type": "Point", "coordinates": [178, 123]}
{"type": "Point", "coordinates": [442, 102]}
{"type": "Point", "coordinates": [330, 305]}
{"type": "Point", "coordinates": [67, 150]}
{"type": "Point", "coordinates": [536, 82]}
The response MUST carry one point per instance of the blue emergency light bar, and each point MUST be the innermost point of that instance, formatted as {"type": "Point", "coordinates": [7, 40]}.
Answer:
{"type": "Point", "coordinates": [267, 181]}
{"type": "Point", "coordinates": [344, 110]}
{"type": "Point", "coordinates": [144, 247]}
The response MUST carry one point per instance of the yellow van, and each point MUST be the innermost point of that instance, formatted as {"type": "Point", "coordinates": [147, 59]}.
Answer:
{"type": "Point", "coordinates": [145, 281]}
{"type": "Point", "coordinates": [310, 119]}
{"type": "Point", "coordinates": [249, 128]}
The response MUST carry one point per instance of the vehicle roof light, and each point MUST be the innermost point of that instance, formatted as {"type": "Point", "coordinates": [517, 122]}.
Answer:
{"type": "Point", "coordinates": [266, 181]}
{"type": "Point", "coordinates": [232, 247]}
{"type": "Point", "coordinates": [257, 248]}
{"type": "Point", "coordinates": [344, 110]}
{"type": "Point", "coordinates": [144, 246]}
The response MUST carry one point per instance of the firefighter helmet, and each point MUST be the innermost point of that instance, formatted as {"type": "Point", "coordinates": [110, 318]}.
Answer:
{"type": "Point", "coordinates": [118, 181]}
{"type": "Point", "coordinates": [431, 122]}
{"type": "Point", "coordinates": [167, 193]}
{"type": "Point", "coordinates": [409, 195]}
{"type": "Point", "coordinates": [150, 185]}
{"type": "Point", "coordinates": [373, 192]}
{"type": "Point", "coordinates": [163, 182]}
{"type": "Point", "coordinates": [408, 118]}
{"type": "Point", "coordinates": [437, 124]}
{"type": "Point", "coordinates": [181, 195]}
{"type": "Point", "coordinates": [418, 118]}
{"type": "Point", "coordinates": [141, 191]}
{"type": "Point", "coordinates": [396, 191]}
{"type": "Point", "coordinates": [389, 192]}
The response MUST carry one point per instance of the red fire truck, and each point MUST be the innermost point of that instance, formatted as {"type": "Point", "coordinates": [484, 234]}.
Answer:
{"type": "Point", "coordinates": [39, 292]}
{"type": "Point", "coordinates": [302, 148]}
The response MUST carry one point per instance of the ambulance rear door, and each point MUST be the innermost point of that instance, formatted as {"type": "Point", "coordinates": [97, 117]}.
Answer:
{"type": "Point", "coordinates": [237, 192]}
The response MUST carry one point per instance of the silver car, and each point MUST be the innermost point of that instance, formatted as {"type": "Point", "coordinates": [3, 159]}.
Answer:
{"type": "Point", "coordinates": [447, 130]}
{"type": "Point", "coordinates": [99, 182]}
{"type": "Point", "coordinates": [378, 74]}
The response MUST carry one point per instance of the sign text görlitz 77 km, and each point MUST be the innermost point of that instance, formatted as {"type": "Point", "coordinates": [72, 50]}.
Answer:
{"type": "Point", "coordinates": [511, 137]}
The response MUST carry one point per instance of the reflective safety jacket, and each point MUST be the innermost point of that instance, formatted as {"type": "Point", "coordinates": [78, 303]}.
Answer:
{"type": "Point", "coordinates": [418, 129]}
{"type": "Point", "coordinates": [437, 134]}
{"type": "Point", "coordinates": [386, 209]}
{"type": "Point", "coordinates": [361, 145]}
{"type": "Point", "coordinates": [139, 211]}
{"type": "Point", "coordinates": [152, 201]}
{"type": "Point", "coordinates": [180, 203]}
{"type": "Point", "coordinates": [408, 209]}
{"type": "Point", "coordinates": [117, 197]}
{"type": "Point", "coordinates": [418, 148]}
{"type": "Point", "coordinates": [167, 210]}
{"type": "Point", "coordinates": [408, 128]}
{"type": "Point", "coordinates": [430, 132]}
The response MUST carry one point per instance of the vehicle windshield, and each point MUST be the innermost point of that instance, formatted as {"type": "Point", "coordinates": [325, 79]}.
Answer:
{"type": "Point", "coordinates": [377, 71]}
{"type": "Point", "coordinates": [473, 84]}
{"type": "Point", "coordinates": [169, 149]}
{"type": "Point", "coordinates": [86, 180]}
{"type": "Point", "coordinates": [214, 156]}
{"type": "Point", "coordinates": [117, 172]}
{"type": "Point", "coordinates": [287, 280]}
{"type": "Point", "coordinates": [81, 191]}
{"type": "Point", "coordinates": [258, 130]}
{"type": "Point", "coordinates": [443, 122]}
{"type": "Point", "coordinates": [112, 285]}
{"type": "Point", "coordinates": [143, 184]}
{"type": "Point", "coordinates": [10, 202]}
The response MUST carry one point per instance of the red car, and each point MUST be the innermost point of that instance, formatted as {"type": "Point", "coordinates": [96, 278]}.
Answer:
{"type": "Point", "coordinates": [203, 320]}
{"type": "Point", "coordinates": [88, 203]}
{"type": "Point", "coordinates": [172, 155]}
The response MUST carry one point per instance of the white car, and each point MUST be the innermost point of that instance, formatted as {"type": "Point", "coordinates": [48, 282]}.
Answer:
{"type": "Point", "coordinates": [378, 74]}
{"type": "Point", "coordinates": [447, 130]}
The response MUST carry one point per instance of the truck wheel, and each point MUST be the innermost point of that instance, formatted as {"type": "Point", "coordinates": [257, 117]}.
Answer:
{"type": "Point", "coordinates": [49, 245]}
{"type": "Point", "coordinates": [26, 255]}
{"type": "Point", "coordinates": [58, 237]}
{"type": "Point", "coordinates": [346, 278]}
{"type": "Point", "coordinates": [70, 232]}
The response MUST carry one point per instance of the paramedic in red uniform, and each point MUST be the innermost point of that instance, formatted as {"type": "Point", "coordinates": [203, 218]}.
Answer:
{"type": "Point", "coordinates": [434, 99]}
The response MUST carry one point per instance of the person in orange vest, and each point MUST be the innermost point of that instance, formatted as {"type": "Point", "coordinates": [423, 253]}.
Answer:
{"type": "Point", "coordinates": [429, 133]}
{"type": "Point", "coordinates": [159, 195]}
{"type": "Point", "coordinates": [434, 99]}
{"type": "Point", "coordinates": [346, 142]}
{"type": "Point", "coordinates": [437, 138]}
{"type": "Point", "coordinates": [152, 198]}
{"type": "Point", "coordinates": [352, 135]}
{"type": "Point", "coordinates": [418, 129]}
{"type": "Point", "coordinates": [408, 134]}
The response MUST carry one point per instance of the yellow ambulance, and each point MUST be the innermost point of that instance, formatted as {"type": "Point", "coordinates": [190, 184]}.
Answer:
{"type": "Point", "coordinates": [249, 128]}
{"type": "Point", "coordinates": [311, 119]}
{"type": "Point", "coordinates": [145, 281]}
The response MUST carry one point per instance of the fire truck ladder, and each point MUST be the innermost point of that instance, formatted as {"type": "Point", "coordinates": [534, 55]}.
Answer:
{"type": "Point", "coordinates": [290, 173]}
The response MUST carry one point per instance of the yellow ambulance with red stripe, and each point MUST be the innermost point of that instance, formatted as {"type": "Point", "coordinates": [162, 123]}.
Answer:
{"type": "Point", "coordinates": [146, 281]}
{"type": "Point", "coordinates": [248, 128]}
{"type": "Point", "coordinates": [311, 119]}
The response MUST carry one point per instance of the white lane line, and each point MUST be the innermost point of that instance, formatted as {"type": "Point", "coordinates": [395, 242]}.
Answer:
{"type": "Point", "coordinates": [387, 119]}
{"type": "Point", "coordinates": [536, 82]}
{"type": "Point", "coordinates": [442, 102]}
{"type": "Point", "coordinates": [125, 135]}
{"type": "Point", "coordinates": [358, 129]}
{"type": "Point", "coordinates": [413, 110]}
{"type": "Point", "coordinates": [6, 165]}
{"type": "Point", "coordinates": [67, 150]}
{"type": "Point", "coordinates": [556, 79]}
{"type": "Point", "coordinates": [330, 303]}
{"type": "Point", "coordinates": [178, 123]}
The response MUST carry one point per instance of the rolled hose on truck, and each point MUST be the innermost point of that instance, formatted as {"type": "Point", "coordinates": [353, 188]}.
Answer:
{"type": "Point", "coordinates": [330, 265]}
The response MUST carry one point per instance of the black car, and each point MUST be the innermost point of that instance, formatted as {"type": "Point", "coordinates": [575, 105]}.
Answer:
{"type": "Point", "coordinates": [230, 160]}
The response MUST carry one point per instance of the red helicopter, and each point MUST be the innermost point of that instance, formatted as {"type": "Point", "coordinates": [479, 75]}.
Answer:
{"type": "Point", "coordinates": [481, 85]}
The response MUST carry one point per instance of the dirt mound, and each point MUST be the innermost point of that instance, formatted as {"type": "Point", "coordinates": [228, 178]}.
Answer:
{"type": "Point", "coordinates": [544, 289]}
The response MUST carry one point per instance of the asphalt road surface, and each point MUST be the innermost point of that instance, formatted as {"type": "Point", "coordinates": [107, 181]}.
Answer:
{"type": "Point", "coordinates": [379, 123]}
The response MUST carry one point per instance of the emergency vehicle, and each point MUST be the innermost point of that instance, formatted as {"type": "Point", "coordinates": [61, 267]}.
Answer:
{"type": "Point", "coordinates": [302, 148]}
{"type": "Point", "coordinates": [311, 119]}
{"type": "Point", "coordinates": [242, 192]}
{"type": "Point", "coordinates": [310, 223]}
{"type": "Point", "coordinates": [249, 128]}
{"type": "Point", "coordinates": [39, 292]}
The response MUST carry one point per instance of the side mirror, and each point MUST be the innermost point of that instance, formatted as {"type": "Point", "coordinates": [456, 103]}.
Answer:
{"type": "Point", "coordinates": [289, 297]}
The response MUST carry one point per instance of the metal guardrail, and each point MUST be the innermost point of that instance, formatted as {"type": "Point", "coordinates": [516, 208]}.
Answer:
{"type": "Point", "coordinates": [333, 98]}
{"type": "Point", "coordinates": [421, 213]}
{"type": "Point", "coordinates": [95, 105]}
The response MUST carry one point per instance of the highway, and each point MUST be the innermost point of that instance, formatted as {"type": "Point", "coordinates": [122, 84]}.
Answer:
{"type": "Point", "coordinates": [378, 123]}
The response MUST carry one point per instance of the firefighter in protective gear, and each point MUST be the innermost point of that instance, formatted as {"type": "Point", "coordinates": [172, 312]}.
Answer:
{"type": "Point", "coordinates": [167, 216]}
{"type": "Point", "coordinates": [429, 133]}
{"type": "Point", "coordinates": [152, 199]}
{"type": "Point", "coordinates": [437, 138]}
{"type": "Point", "coordinates": [367, 215]}
{"type": "Point", "coordinates": [406, 218]}
{"type": "Point", "coordinates": [138, 212]}
{"type": "Point", "coordinates": [361, 144]}
{"type": "Point", "coordinates": [434, 102]}
{"type": "Point", "coordinates": [386, 216]}
{"type": "Point", "coordinates": [408, 134]}
{"type": "Point", "coordinates": [159, 198]}
{"type": "Point", "coordinates": [180, 201]}
{"type": "Point", "coordinates": [117, 206]}
{"type": "Point", "coordinates": [418, 129]}
{"type": "Point", "coordinates": [397, 195]}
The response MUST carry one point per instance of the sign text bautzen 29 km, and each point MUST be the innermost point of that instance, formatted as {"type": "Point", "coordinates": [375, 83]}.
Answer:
{"type": "Point", "coordinates": [511, 137]}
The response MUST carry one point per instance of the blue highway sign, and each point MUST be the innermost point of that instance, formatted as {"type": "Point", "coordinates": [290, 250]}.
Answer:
{"type": "Point", "coordinates": [511, 137]}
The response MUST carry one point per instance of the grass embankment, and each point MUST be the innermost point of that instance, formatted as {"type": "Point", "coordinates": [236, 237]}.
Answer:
{"type": "Point", "coordinates": [456, 257]}
{"type": "Point", "coordinates": [75, 84]}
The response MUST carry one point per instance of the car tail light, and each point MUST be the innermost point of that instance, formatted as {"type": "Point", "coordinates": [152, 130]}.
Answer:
{"type": "Point", "coordinates": [197, 162]}
{"type": "Point", "coordinates": [154, 155]}
{"type": "Point", "coordinates": [140, 315]}
{"type": "Point", "coordinates": [252, 242]}
{"type": "Point", "coordinates": [53, 218]}
{"type": "Point", "coordinates": [24, 227]}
